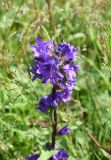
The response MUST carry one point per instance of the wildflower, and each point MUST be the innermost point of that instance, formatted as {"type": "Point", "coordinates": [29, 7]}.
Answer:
{"type": "Point", "coordinates": [64, 131]}
{"type": "Point", "coordinates": [43, 50]}
{"type": "Point", "coordinates": [55, 63]}
{"type": "Point", "coordinates": [44, 104]}
{"type": "Point", "coordinates": [61, 155]}
{"type": "Point", "coordinates": [53, 100]}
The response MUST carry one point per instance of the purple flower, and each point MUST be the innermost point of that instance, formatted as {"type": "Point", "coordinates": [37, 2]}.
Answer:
{"type": "Point", "coordinates": [61, 155]}
{"type": "Point", "coordinates": [67, 51]}
{"type": "Point", "coordinates": [54, 99]}
{"type": "Point", "coordinates": [43, 50]}
{"type": "Point", "coordinates": [33, 157]}
{"type": "Point", "coordinates": [64, 95]}
{"type": "Point", "coordinates": [49, 71]}
{"type": "Point", "coordinates": [64, 131]}
{"type": "Point", "coordinates": [55, 63]}
{"type": "Point", "coordinates": [44, 104]}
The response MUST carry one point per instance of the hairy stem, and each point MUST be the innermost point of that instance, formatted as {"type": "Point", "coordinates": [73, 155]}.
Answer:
{"type": "Point", "coordinates": [54, 127]}
{"type": "Point", "coordinates": [54, 122]}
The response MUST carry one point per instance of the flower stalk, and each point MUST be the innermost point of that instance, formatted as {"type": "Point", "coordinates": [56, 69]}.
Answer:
{"type": "Point", "coordinates": [54, 128]}
{"type": "Point", "coordinates": [54, 122]}
{"type": "Point", "coordinates": [55, 63]}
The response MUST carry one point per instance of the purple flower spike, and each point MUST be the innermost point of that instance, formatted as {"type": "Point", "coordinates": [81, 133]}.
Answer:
{"type": "Point", "coordinates": [33, 157]}
{"type": "Point", "coordinates": [64, 131]}
{"type": "Point", "coordinates": [55, 63]}
{"type": "Point", "coordinates": [61, 155]}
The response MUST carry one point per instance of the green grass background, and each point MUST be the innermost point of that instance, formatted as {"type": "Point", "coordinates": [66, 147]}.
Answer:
{"type": "Point", "coordinates": [87, 25]}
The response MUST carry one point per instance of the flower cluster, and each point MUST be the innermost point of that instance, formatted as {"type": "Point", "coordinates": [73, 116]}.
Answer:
{"type": "Point", "coordinates": [56, 64]}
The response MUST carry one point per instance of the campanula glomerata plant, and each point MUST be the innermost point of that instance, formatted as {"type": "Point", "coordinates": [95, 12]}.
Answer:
{"type": "Point", "coordinates": [55, 63]}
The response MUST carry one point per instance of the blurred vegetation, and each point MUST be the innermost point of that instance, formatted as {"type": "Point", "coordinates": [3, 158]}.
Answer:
{"type": "Point", "coordinates": [87, 25]}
